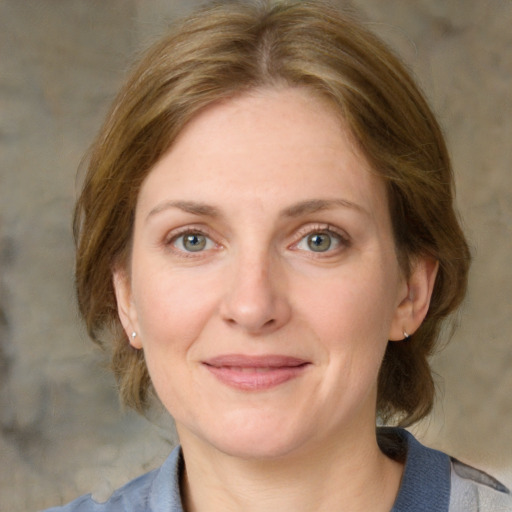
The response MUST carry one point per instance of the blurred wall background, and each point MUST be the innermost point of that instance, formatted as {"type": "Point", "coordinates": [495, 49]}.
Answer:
{"type": "Point", "coordinates": [61, 61]}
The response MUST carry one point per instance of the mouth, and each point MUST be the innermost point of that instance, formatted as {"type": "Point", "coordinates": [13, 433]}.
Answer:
{"type": "Point", "coordinates": [255, 373]}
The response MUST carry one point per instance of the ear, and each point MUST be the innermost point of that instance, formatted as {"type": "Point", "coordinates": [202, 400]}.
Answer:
{"type": "Point", "coordinates": [415, 300]}
{"type": "Point", "coordinates": [125, 307]}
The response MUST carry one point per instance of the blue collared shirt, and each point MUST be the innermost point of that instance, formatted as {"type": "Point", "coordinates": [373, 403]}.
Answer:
{"type": "Point", "coordinates": [432, 481]}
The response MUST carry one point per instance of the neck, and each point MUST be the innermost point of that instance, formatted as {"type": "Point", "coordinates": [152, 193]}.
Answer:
{"type": "Point", "coordinates": [349, 475]}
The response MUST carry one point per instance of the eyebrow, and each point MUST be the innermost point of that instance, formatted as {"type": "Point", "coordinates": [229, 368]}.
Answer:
{"type": "Point", "coordinates": [194, 207]}
{"type": "Point", "coordinates": [296, 210]}
{"type": "Point", "coordinates": [316, 205]}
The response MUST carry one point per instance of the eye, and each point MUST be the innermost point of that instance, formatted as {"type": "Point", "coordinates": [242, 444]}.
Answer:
{"type": "Point", "coordinates": [321, 241]}
{"type": "Point", "coordinates": [192, 241]}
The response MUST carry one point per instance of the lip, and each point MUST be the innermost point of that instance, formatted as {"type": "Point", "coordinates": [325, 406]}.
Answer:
{"type": "Point", "coordinates": [255, 373]}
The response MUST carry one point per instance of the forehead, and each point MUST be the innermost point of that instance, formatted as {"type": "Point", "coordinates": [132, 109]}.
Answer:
{"type": "Point", "coordinates": [268, 146]}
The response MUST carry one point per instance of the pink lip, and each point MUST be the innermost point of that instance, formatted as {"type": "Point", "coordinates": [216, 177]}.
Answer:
{"type": "Point", "coordinates": [255, 373]}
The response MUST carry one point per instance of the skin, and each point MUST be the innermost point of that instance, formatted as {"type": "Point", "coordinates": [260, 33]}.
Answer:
{"type": "Point", "coordinates": [258, 180]}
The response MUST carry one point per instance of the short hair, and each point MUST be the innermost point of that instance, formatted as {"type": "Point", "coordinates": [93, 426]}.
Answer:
{"type": "Point", "coordinates": [222, 51]}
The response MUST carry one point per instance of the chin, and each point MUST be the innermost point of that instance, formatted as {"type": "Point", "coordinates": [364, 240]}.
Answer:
{"type": "Point", "coordinates": [250, 440]}
{"type": "Point", "coordinates": [250, 449]}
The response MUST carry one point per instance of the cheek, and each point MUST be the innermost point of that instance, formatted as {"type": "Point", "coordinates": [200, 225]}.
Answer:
{"type": "Point", "coordinates": [172, 310]}
{"type": "Point", "coordinates": [172, 307]}
{"type": "Point", "coordinates": [356, 306]}
{"type": "Point", "coordinates": [350, 315]}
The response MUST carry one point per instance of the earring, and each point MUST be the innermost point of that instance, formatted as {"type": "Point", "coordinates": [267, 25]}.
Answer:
{"type": "Point", "coordinates": [406, 336]}
{"type": "Point", "coordinates": [132, 341]}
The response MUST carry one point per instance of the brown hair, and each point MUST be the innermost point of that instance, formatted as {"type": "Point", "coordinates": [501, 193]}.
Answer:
{"type": "Point", "coordinates": [228, 48]}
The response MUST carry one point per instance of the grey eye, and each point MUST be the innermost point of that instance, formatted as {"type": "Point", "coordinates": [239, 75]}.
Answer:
{"type": "Point", "coordinates": [192, 242]}
{"type": "Point", "coordinates": [319, 242]}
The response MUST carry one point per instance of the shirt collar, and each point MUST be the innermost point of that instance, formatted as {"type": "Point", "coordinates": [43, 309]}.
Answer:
{"type": "Point", "coordinates": [425, 483]}
{"type": "Point", "coordinates": [165, 493]}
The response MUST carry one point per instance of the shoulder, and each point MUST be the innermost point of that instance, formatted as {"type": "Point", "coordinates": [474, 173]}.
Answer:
{"type": "Point", "coordinates": [152, 492]}
{"type": "Point", "coordinates": [131, 497]}
{"type": "Point", "coordinates": [433, 480]}
{"type": "Point", "coordinates": [473, 490]}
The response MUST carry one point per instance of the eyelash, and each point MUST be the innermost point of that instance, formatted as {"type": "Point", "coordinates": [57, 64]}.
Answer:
{"type": "Point", "coordinates": [341, 237]}
{"type": "Point", "coordinates": [174, 236]}
{"type": "Point", "coordinates": [302, 234]}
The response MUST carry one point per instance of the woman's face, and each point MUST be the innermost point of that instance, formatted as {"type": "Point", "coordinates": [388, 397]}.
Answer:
{"type": "Point", "coordinates": [264, 283]}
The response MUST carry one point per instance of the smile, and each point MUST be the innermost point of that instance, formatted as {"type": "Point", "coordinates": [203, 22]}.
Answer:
{"type": "Point", "coordinates": [255, 373]}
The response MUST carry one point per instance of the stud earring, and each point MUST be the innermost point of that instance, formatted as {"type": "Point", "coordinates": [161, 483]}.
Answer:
{"type": "Point", "coordinates": [406, 336]}
{"type": "Point", "coordinates": [132, 341]}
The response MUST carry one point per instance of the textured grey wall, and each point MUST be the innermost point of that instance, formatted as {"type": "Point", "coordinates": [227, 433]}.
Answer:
{"type": "Point", "coordinates": [61, 431]}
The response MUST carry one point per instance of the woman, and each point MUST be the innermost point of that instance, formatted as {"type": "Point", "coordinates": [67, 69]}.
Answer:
{"type": "Point", "coordinates": [266, 239]}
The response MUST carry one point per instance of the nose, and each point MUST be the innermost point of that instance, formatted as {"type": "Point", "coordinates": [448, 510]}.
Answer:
{"type": "Point", "coordinates": [256, 300]}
